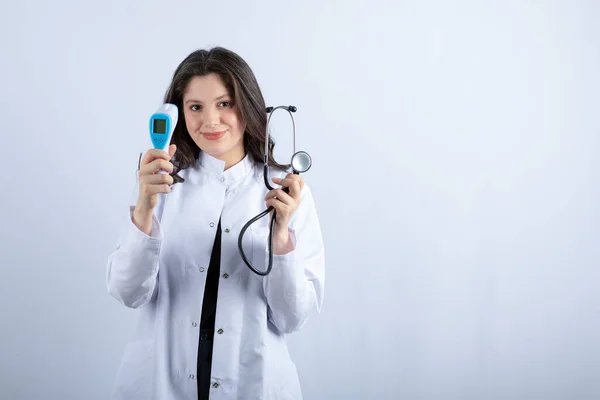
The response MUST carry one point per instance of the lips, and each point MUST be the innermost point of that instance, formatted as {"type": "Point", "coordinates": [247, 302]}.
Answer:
{"type": "Point", "coordinates": [213, 135]}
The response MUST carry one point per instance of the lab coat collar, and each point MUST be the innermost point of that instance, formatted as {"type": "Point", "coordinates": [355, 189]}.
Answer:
{"type": "Point", "coordinates": [216, 167]}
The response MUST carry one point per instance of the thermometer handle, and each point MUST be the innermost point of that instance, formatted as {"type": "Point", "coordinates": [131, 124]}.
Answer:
{"type": "Point", "coordinates": [161, 171]}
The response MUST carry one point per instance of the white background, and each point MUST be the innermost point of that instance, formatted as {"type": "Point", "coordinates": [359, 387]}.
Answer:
{"type": "Point", "coordinates": [455, 172]}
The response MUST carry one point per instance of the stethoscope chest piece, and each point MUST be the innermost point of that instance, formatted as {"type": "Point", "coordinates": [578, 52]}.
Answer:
{"type": "Point", "coordinates": [301, 162]}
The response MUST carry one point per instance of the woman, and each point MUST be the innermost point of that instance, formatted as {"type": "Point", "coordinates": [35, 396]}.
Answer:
{"type": "Point", "coordinates": [209, 325]}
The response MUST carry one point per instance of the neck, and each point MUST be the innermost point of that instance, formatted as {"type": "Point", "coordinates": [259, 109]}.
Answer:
{"type": "Point", "coordinates": [232, 158]}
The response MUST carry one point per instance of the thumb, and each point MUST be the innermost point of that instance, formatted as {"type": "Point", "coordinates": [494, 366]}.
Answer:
{"type": "Point", "coordinates": [172, 149]}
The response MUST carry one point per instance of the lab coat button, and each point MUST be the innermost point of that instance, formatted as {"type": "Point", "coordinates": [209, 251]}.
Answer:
{"type": "Point", "coordinates": [201, 269]}
{"type": "Point", "coordinates": [191, 376]}
{"type": "Point", "coordinates": [222, 179]}
{"type": "Point", "coordinates": [227, 230]}
{"type": "Point", "coordinates": [216, 385]}
{"type": "Point", "coordinates": [220, 331]}
{"type": "Point", "coordinates": [194, 324]}
{"type": "Point", "coordinates": [212, 224]}
{"type": "Point", "coordinates": [225, 276]}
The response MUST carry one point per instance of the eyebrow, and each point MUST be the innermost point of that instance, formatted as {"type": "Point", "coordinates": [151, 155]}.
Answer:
{"type": "Point", "coordinates": [198, 101]}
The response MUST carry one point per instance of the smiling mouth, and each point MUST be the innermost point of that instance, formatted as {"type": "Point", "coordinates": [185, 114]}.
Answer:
{"type": "Point", "coordinates": [213, 135]}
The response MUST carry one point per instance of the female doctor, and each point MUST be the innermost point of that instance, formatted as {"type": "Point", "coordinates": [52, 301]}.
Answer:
{"type": "Point", "coordinates": [209, 326]}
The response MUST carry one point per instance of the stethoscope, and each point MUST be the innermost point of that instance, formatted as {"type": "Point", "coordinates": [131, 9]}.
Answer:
{"type": "Point", "coordinates": [301, 162]}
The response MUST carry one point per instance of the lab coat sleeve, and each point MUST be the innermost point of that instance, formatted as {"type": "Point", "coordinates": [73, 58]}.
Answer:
{"type": "Point", "coordinates": [132, 270]}
{"type": "Point", "coordinates": [294, 288]}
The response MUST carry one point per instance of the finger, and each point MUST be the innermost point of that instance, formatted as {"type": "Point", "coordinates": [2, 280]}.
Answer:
{"type": "Point", "coordinates": [155, 166]}
{"type": "Point", "coordinates": [158, 189]}
{"type": "Point", "coordinates": [289, 179]}
{"type": "Point", "coordinates": [293, 187]}
{"type": "Point", "coordinates": [277, 204]}
{"type": "Point", "coordinates": [283, 182]}
{"type": "Point", "coordinates": [281, 195]}
{"type": "Point", "coordinates": [154, 154]}
{"type": "Point", "coordinates": [172, 150]}
{"type": "Point", "coordinates": [296, 177]}
{"type": "Point", "coordinates": [158, 179]}
{"type": "Point", "coordinates": [295, 190]}
{"type": "Point", "coordinates": [149, 190]}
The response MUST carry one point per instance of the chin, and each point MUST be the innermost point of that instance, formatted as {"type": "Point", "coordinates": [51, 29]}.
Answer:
{"type": "Point", "coordinates": [214, 152]}
{"type": "Point", "coordinates": [213, 147]}
{"type": "Point", "coordinates": [216, 148]}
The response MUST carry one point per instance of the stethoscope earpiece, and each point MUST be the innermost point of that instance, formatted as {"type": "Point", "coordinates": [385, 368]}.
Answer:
{"type": "Point", "coordinates": [289, 108]}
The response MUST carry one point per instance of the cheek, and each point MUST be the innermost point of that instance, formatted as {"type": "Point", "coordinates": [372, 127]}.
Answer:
{"type": "Point", "coordinates": [232, 120]}
{"type": "Point", "coordinates": [192, 122]}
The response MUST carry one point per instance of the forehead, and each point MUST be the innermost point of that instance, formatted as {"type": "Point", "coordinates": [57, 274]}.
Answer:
{"type": "Point", "coordinates": [206, 87]}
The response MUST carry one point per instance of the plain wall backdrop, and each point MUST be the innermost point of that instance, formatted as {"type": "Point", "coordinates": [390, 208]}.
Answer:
{"type": "Point", "coordinates": [455, 170]}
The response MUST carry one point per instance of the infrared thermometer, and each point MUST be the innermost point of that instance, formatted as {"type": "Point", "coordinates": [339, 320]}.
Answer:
{"type": "Point", "coordinates": [162, 125]}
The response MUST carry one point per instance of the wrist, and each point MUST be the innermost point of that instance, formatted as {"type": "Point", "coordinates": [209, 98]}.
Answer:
{"type": "Point", "coordinates": [141, 211]}
{"type": "Point", "coordinates": [142, 218]}
{"type": "Point", "coordinates": [282, 242]}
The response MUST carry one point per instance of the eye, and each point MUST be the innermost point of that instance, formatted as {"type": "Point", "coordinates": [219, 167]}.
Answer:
{"type": "Point", "coordinates": [195, 107]}
{"type": "Point", "coordinates": [225, 104]}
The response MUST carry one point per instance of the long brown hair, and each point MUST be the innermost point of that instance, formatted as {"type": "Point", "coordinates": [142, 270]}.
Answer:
{"type": "Point", "coordinates": [242, 85]}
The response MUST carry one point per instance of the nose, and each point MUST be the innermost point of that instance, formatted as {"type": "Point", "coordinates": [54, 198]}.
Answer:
{"type": "Point", "coordinates": [211, 118]}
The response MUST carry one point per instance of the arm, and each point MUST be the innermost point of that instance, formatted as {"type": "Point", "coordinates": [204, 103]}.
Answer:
{"type": "Point", "coordinates": [132, 270]}
{"type": "Point", "coordinates": [294, 288]}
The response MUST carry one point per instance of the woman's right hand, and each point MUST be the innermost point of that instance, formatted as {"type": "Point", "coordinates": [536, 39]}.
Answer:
{"type": "Point", "coordinates": [151, 183]}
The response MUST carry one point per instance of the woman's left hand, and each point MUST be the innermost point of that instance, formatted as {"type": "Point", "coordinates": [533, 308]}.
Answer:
{"type": "Point", "coordinates": [285, 204]}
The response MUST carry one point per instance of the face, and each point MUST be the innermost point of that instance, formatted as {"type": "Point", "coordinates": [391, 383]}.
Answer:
{"type": "Point", "coordinates": [212, 119]}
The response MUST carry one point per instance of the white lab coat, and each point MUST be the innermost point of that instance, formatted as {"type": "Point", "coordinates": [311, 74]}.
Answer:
{"type": "Point", "coordinates": [163, 276]}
